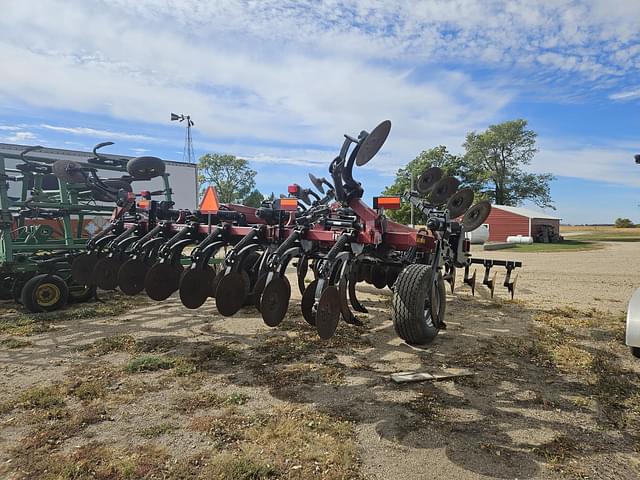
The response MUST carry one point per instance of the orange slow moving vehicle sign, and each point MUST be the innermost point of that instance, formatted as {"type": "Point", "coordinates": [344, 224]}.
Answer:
{"type": "Point", "coordinates": [209, 203]}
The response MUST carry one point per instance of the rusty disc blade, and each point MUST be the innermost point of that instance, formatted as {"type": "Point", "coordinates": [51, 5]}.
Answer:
{"type": "Point", "coordinates": [308, 299]}
{"type": "Point", "coordinates": [328, 313]}
{"type": "Point", "coordinates": [443, 190]}
{"type": "Point", "coordinates": [275, 301]}
{"type": "Point", "coordinates": [194, 286]}
{"type": "Point", "coordinates": [230, 294]}
{"type": "Point", "coordinates": [476, 215]}
{"type": "Point", "coordinates": [105, 273]}
{"type": "Point", "coordinates": [131, 276]}
{"type": "Point", "coordinates": [428, 179]}
{"type": "Point", "coordinates": [460, 202]}
{"type": "Point", "coordinates": [82, 268]}
{"type": "Point", "coordinates": [161, 281]}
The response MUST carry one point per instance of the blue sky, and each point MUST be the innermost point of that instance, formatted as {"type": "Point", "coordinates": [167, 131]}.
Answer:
{"type": "Point", "coordinates": [278, 82]}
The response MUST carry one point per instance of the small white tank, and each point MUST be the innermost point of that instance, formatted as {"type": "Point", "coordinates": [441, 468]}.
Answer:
{"type": "Point", "coordinates": [520, 239]}
{"type": "Point", "coordinates": [480, 235]}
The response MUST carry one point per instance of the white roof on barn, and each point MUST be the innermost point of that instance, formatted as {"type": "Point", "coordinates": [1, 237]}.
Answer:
{"type": "Point", "coordinates": [525, 212]}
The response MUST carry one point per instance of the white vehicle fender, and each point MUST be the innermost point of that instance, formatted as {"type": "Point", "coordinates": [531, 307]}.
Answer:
{"type": "Point", "coordinates": [633, 321]}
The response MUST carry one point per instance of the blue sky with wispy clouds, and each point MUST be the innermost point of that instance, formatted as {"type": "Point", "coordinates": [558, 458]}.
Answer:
{"type": "Point", "coordinates": [278, 82]}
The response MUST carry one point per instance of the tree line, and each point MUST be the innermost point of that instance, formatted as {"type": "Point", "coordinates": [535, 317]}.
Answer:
{"type": "Point", "coordinates": [493, 165]}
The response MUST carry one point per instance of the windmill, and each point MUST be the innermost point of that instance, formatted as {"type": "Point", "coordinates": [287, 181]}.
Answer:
{"type": "Point", "coordinates": [187, 154]}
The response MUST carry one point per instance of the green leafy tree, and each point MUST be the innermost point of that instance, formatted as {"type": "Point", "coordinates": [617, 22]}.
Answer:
{"type": "Point", "coordinates": [254, 199]}
{"type": "Point", "coordinates": [496, 159]}
{"type": "Point", "coordinates": [624, 223]}
{"type": "Point", "coordinates": [230, 176]}
{"type": "Point", "coordinates": [452, 165]}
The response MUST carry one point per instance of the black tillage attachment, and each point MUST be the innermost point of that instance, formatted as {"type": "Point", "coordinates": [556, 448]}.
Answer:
{"type": "Point", "coordinates": [489, 282]}
{"type": "Point", "coordinates": [510, 284]}
{"type": "Point", "coordinates": [470, 280]}
{"type": "Point", "coordinates": [450, 276]}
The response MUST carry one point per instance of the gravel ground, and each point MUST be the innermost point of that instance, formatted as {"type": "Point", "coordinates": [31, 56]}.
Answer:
{"type": "Point", "coordinates": [540, 406]}
{"type": "Point", "coordinates": [602, 278]}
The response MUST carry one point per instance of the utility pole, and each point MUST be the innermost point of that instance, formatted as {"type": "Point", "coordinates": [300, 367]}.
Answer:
{"type": "Point", "coordinates": [411, 173]}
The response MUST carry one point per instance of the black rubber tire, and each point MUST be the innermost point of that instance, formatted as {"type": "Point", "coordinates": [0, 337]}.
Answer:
{"type": "Point", "coordinates": [146, 167]}
{"type": "Point", "coordinates": [635, 351]}
{"type": "Point", "coordinates": [411, 298]}
{"type": "Point", "coordinates": [31, 299]}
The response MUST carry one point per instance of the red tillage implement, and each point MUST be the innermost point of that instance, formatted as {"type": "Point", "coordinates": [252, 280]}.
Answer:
{"type": "Point", "coordinates": [331, 234]}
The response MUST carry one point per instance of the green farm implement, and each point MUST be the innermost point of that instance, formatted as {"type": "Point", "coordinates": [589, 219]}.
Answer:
{"type": "Point", "coordinates": [49, 208]}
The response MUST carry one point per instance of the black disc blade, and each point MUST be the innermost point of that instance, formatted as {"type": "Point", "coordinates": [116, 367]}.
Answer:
{"type": "Point", "coordinates": [308, 299]}
{"type": "Point", "coordinates": [392, 275]}
{"type": "Point", "coordinates": [460, 202]}
{"type": "Point", "coordinates": [213, 284]}
{"type": "Point", "coordinates": [230, 294]}
{"type": "Point", "coordinates": [105, 274]}
{"type": "Point", "coordinates": [131, 276]}
{"type": "Point", "coordinates": [428, 179]}
{"type": "Point", "coordinates": [328, 313]}
{"type": "Point", "coordinates": [373, 143]}
{"type": "Point", "coordinates": [161, 281]}
{"type": "Point", "coordinates": [194, 287]}
{"type": "Point", "coordinates": [476, 215]}
{"type": "Point", "coordinates": [301, 271]}
{"type": "Point", "coordinates": [316, 183]}
{"type": "Point", "coordinates": [378, 275]}
{"type": "Point", "coordinates": [443, 190]}
{"type": "Point", "coordinates": [258, 288]}
{"type": "Point", "coordinates": [82, 268]}
{"type": "Point", "coordinates": [275, 301]}
{"type": "Point", "coordinates": [303, 195]}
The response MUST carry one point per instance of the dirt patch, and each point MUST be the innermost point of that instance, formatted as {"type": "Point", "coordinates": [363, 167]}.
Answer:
{"type": "Point", "coordinates": [159, 391]}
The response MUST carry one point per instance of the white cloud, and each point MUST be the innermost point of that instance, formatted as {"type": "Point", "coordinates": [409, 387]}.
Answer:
{"type": "Point", "coordinates": [626, 95]}
{"type": "Point", "coordinates": [285, 79]}
{"type": "Point", "coordinates": [92, 132]}
{"type": "Point", "coordinates": [601, 163]}
{"type": "Point", "coordinates": [20, 137]}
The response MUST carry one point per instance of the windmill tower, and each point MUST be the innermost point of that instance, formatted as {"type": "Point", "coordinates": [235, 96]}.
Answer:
{"type": "Point", "coordinates": [187, 154]}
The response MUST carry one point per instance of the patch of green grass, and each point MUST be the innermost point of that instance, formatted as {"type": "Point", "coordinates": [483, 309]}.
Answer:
{"type": "Point", "coordinates": [157, 430]}
{"type": "Point", "coordinates": [149, 363]}
{"type": "Point", "coordinates": [566, 245]}
{"type": "Point", "coordinates": [23, 326]}
{"type": "Point", "coordinates": [96, 461]}
{"type": "Point", "coordinates": [618, 236]}
{"type": "Point", "coordinates": [116, 343]}
{"type": "Point", "coordinates": [90, 389]}
{"type": "Point", "coordinates": [14, 343]}
{"type": "Point", "coordinates": [197, 401]}
{"type": "Point", "coordinates": [42, 397]}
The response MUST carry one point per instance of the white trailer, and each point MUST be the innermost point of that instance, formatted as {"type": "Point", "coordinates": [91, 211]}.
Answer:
{"type": "Point", "coordinates": [183, 177]}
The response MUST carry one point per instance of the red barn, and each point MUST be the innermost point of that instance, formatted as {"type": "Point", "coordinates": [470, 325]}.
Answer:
{"type": "Point", "coordinates": [507, 221]}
